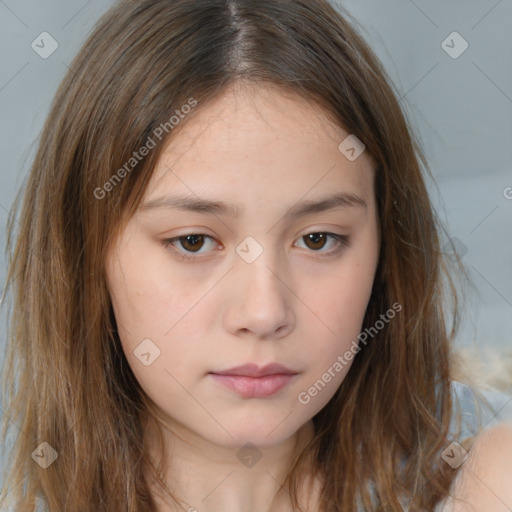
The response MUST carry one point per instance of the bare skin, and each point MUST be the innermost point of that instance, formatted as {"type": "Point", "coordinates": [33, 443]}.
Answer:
{"type": "Point", "coordinates": [484, 482]}
{"type": "Point", "coordinates": [300, 302]}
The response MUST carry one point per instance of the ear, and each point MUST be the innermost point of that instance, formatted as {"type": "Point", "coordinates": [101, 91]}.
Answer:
{"type": "Point", "coordinates": [484, 482]}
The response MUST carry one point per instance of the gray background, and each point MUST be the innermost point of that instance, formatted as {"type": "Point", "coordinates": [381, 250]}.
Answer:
{"type": "Point", "coordinates": [460, 107]}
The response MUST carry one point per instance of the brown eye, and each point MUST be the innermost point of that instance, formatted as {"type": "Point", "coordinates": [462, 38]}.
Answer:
{"type": "Point", "coordinates": [188, 244]}
{"type": "Point", "coordinates": [317, 240]}
{"type": "Point", "coordinates": [192, 242]}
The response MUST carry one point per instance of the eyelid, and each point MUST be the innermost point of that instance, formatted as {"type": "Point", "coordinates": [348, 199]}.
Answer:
{"type": "Point", "coordinates": [184, 254]}
{"type": "Point", "coordinates": [342, 240]}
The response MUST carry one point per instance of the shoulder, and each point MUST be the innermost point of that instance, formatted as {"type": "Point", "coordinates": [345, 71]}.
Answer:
{"type": "Point", "coordinates": [484, 481]}
{"type": "Point", "coordinates": [477, 408]}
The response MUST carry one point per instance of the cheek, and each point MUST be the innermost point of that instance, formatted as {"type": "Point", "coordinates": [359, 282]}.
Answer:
{"type": "Point", "coordinates": [149, 316]}
{"type": "Point", "coordinates": [343, 314]}
{"type": "Point", "coordinates": [348, 290]}
{"type": "Point", "coordinates": [347, 295]}
{"type": "Point", "coordinates": [341, 308]}
{"type": "Point", "coordinates": [148, 298]}
{"type": "Point", "coordinates": [155, 309]}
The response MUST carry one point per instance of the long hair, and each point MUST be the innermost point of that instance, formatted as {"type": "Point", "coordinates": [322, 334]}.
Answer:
{"type": "Point", "coordinates": [379, 438]}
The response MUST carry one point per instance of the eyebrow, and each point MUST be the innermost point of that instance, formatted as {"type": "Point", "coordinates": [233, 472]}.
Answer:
{"type": "Point", "coordinates": [340, 200]}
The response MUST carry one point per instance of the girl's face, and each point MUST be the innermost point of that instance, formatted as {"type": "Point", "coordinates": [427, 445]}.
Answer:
{"type": "Point", "coordinates": [264, 280]}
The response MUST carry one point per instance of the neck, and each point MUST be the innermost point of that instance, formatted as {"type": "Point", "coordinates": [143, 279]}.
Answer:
{"type": "Point", "coordinates": [208, 477]}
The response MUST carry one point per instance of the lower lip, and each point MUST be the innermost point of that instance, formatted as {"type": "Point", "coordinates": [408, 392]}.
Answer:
{"type": "Point", "coordinates": [254, 387]}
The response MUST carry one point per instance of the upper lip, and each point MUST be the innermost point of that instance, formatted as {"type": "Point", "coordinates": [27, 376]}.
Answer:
{"type": "Point", "coordinates": [253, 370]}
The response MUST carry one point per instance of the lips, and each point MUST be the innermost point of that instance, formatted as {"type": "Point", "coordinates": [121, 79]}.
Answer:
{"type": "Point", "coordinates": [252, 381]}
{"type": "Point", "coordinates": [253, 370]}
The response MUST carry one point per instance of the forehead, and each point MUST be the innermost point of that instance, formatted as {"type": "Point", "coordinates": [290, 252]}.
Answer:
{"type": "Point", "coordinates": [259, 141]}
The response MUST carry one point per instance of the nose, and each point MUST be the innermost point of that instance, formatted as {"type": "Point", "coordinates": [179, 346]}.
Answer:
{"type": "Point", "coordinates": [260, 300]}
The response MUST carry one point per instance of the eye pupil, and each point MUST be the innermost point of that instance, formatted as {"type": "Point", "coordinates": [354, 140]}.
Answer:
{"type": "Point", "coordinates": [193, 237]}
{"type": "Point", "coordinates": [315, 238]}
{"type": "Point", "coordinates": [193, 242]}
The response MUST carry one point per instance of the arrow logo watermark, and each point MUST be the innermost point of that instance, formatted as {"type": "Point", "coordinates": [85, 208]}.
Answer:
{"type": "Point", "coordinates": [351, 147]}
{"type": "Point", "coordinates": [454, 455]}
{"type": "Point", "coordinates": [44, 455]}
{"type": "Point", "coordinates": [146, 352]}
{"type": "Point", "coordinates": [454, 45]}
{"type": "Point", "coordinates": [44, 45]}
{"type": "Point", "coordinates": [249, 249]}
{"type": "Point", "coordinates": [249, 455]}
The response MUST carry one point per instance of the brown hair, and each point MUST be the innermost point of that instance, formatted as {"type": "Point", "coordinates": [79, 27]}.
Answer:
{"type": "Point", "coordinates": [76, 391]}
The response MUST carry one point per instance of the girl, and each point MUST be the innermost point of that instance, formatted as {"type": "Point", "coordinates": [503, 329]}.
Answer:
{"type": "Point", "coordinates": [228, 283]}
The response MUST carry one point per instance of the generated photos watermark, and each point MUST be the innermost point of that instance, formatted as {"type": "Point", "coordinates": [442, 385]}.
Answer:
{"type": "Point", "coordinates": [304, 397]}
{"type": "Point", "coordinates": [145, 149]}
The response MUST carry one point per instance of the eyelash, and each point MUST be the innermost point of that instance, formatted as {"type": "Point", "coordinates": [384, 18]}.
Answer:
{"type": "Point", "coordinates": [342, 240]}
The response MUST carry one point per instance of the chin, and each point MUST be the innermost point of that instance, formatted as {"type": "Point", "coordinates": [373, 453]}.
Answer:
{"type": "Point", "coordinates": [261, 437]}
